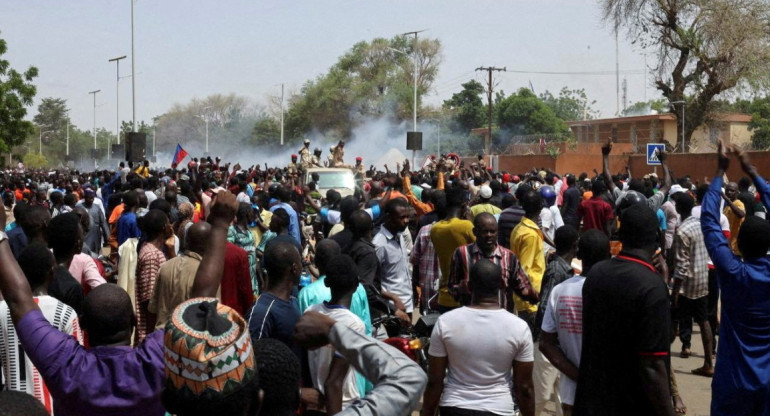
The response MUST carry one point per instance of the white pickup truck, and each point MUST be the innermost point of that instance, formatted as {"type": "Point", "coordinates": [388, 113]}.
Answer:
{"type": "Point", "coordinates": [341, 180]}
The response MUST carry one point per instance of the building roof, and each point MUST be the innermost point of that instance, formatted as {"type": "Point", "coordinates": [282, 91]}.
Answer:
{"type": "Point", "coordinates": [728, 117]}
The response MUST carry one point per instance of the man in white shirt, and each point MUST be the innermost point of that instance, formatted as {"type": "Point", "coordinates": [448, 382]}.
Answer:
{"type": "Point", "coordinates": [332, 375]}
{"type": "Point", "coordinates": [561, 338]}
{"type": "Point", "coordinates": [479, 345]}
{"type": "Point", "coordinates": [18, 372]}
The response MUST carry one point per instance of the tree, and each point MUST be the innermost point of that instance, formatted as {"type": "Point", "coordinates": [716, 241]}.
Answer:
{"type": "Point", "coordinates": [524, 114]}
{"type": "Point", "coordinates": [705, 48]}
{"type": "Point", "coordinates": [231, 119]}
{"type": "Point", "coordinates": [267, 131]}
{"type": "Point", "coordinates": [646, 107]}
{"type": "Point", "coordinates": [372, 80]}
{"type": "Point", "coordinates": [570, 105]}
{"type": "Point", "coordinates": [35, 161]}
{"type": "Point", "coordinates": [466, 108]}
{"type": "Point", "coordinates": [16, 93]}
{"type": "Point", "coordinates": [52, 116]}
{"type": "Point", "coordinates": [127, 126]}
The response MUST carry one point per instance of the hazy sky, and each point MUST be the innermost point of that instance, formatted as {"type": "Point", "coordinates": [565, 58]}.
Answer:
{"type": "Point", "coordinates": [187, 49]}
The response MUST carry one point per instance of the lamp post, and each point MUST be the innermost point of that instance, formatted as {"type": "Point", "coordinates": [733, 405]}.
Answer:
{"type": "Point", "coordinates": [94, 130]}
{"type": "Point", "coordinates": [40, 139]}
{"type": "Point", "coordinates": [206, 120]}
{"type": "Point", "coordinates": [117, 94]}
{"type": "Point", "coordinates": [414, 105]}
{"type": "Point", "coordinates": [683, 103]}
{"type": "Point", "coordinates": [133, 73]}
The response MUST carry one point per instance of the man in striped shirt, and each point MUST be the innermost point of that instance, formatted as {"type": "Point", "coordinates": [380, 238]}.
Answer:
{"type": "Point", "coordinates": [486, 247]}
{"type": "Point", "coordinates": [689, 298]}
{"type": "Point", "coordinates": [19, 373]}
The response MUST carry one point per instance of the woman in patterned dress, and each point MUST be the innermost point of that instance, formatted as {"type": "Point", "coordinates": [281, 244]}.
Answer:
{"type": "Point", "coordinates": [240, 235]}
{"type": "Point", "coordinates": [157, 234]}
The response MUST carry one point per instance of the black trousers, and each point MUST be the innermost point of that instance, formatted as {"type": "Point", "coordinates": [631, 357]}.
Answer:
{"type": "Point", "coordinates": [456, 411]}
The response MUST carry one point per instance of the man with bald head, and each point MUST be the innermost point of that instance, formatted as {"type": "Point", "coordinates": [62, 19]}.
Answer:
{"type": "Point", "coordinates": [486, 247]}
{"type": "Point", "coordinates": [175, 277]}
{"type": "Point", "coordinates": [276, 311]}
{"type": "Point", "coordinates": [735, 212]}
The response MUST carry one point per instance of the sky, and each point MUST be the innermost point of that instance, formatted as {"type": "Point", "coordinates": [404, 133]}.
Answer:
{"type": "Point", "coordinates": [189, 49]}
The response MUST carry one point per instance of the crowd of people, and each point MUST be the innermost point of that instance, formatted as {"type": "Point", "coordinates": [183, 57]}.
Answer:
{"type": "Point", "coordinates": [222, 289]}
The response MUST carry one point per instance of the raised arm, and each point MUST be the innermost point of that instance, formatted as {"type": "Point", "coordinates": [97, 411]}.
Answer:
{"type": "Point", "coordinates": [716, 243]}
{"type": "Point", "coordinates": [666, 173]}
{"type": "Point", "coordinates": [398, 381]}
{"type": "Point", "coordinates": [759, 182]}
{"type": "Point", "coordinates": [606, 149]}
{"type": "Point", "coordinates": [223, 208]}
{"type": "Point", "coordinates": [14, 285]}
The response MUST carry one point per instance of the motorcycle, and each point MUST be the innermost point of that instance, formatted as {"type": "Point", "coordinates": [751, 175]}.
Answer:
{"type": "Point", "coordinates": [412, 340]}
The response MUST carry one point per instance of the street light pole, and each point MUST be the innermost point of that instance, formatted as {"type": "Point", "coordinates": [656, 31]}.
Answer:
{"type": "Point", "coordinates": [117, 94]}
{"type": "Point", "coordinates": [205, 118]}
{"type": "Point", "coordinates": [40, 140]}
{"type": "Point", "coordinates": [94, 94]}
{"type": "Point", "coordinates": [281, 114]}
{"type": "Point", "coordinates": [133, 72]}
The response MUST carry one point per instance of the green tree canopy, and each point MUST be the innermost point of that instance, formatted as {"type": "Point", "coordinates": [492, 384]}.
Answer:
{"type": "Point", "coordinates": [52, 116]}
{"type": "Point", "coordinates": [523, 114]}
{"type": "Point", "coordinates": [466, 108]}
{"type": "Point", "coordinates": [644, 107]}
{"type": "Point", "coordinates": [373, 79]}
{"type": "Point", "coordinates": [705, 48]}
{"type": "Point", "coordinates": [570, 104]}
{"type": "Point", "coordinates": [16, 93]}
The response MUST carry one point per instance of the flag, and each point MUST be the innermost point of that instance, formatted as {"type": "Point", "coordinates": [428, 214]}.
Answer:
{"type": "Point", "coordinates": [179, 155]}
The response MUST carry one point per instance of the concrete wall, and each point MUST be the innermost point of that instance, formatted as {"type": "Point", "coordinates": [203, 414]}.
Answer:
{"type": "Point", "coordinates": [697, 165]}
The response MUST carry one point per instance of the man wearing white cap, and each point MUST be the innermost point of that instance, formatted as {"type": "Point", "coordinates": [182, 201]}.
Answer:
{"type": "Point", "coordinates": [304, 155]}
{"type": "Point", "coordinates": [485, 193]}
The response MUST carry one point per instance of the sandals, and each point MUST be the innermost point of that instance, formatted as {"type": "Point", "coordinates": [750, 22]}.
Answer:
{"type": "Point", "coordinates": [685, 353]}
{"type": "Point", "coordinates": [703, 371]}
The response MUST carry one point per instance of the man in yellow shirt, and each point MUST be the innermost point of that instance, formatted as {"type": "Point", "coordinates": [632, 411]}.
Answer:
{"type": "Point", "coordinates": [527, 245]}
{"type": "Point", "coordinates": [453, 231]}
{"type": "Point", "coordinates": [484, 205]}
{"type": "Point", "coordinates": [735, 212]}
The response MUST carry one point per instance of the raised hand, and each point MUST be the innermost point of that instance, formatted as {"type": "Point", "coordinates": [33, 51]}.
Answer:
{"type": "Point", "coordinates": [723, 160]}
{"type": "Point", "coordinates": [607, 148]}
{"type": "Point", "coordinates": [224, 205]}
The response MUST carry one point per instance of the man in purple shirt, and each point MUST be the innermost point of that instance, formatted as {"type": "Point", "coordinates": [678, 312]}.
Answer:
{"type": "Point", "coordinates": [111, 378]}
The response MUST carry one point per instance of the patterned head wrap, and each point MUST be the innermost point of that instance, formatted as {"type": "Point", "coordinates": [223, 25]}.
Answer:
{"type": "Point", "coordinates": [208, 352]}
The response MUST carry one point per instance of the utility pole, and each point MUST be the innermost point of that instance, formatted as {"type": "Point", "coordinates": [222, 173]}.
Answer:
{"type": "Point", "coordinates": [489, 70]}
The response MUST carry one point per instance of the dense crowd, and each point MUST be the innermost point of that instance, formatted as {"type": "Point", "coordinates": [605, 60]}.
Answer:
{"type": "Point", "coordinates": [222, 289]}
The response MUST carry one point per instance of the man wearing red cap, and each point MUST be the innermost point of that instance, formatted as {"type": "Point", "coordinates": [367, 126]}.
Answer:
{"type": "Point", "coordinates": [292, 167]}
{"type": "Point", "coordinates": [359, 167]}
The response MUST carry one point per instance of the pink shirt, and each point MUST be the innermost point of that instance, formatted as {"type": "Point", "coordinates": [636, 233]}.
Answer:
{"type": "Point", "coordinates": [84, 270]}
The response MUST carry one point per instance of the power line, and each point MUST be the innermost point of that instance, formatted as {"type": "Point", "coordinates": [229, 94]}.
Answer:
{"type": "Point", "coordinates": [627, 72]}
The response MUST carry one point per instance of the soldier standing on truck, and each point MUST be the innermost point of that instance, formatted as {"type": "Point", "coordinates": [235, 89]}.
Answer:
{"type": "Point", "coordinates": [315, 160]}
{"type": "Point", "coordinates": [293, 168]}
{"type": "Point", "coordinates": [359, 167]}
{"type": "Point", "coordinates": [304, 155]}
{"type": "Point", "coordinates": [338, 152]}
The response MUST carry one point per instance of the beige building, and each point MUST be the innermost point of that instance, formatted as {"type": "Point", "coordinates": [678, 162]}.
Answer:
{"type": "Point", "coordinates": [658, 128]}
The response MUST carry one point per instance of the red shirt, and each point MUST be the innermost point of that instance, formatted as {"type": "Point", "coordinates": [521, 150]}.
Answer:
{"type": "Point", "coordinates": [595, 213]}
{"type": "Point", "coordinates": [236, 290]}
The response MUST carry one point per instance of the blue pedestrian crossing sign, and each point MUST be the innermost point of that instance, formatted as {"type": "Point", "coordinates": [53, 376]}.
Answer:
{"type": "Point", "coordinates": [653, 149]}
